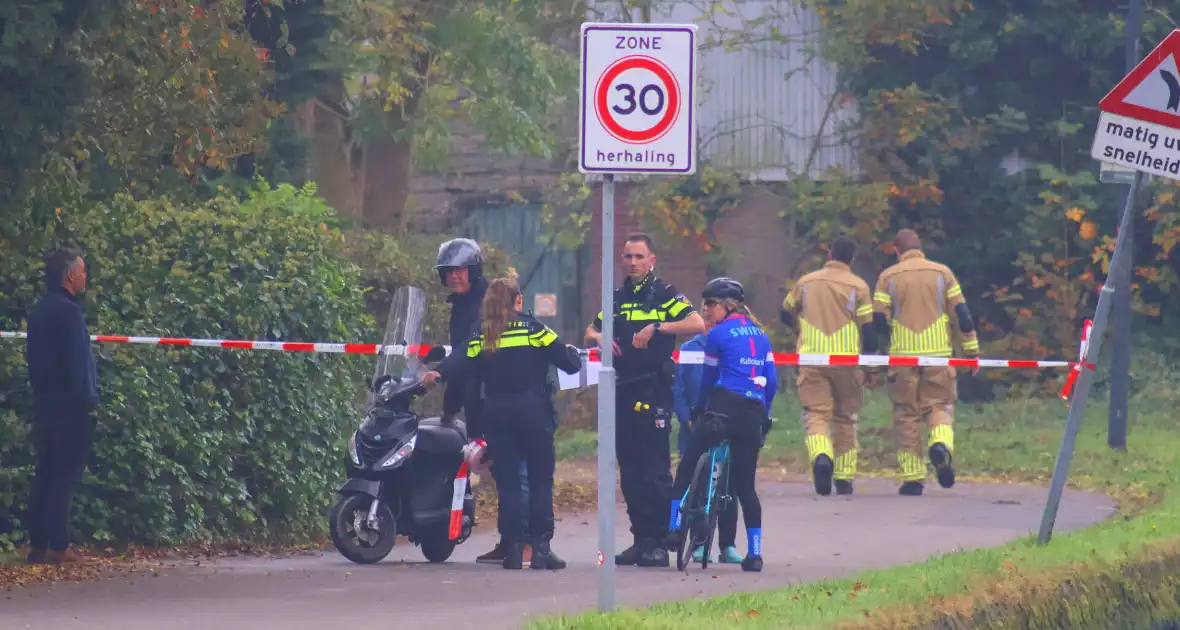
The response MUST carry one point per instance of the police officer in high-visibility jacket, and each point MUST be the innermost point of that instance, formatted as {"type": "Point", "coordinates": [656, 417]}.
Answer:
{"type": "Point", "coordinates": [648, 314]}
{"type": "Point", "coordinates": [916, 301]}
{"type": "Point", "coordinates": [508, 361]}
{"type": "Point", "coordinates": [833, 308]}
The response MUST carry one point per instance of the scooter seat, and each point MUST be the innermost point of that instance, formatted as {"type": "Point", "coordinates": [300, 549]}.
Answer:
{"type": "Point", "coordinates": [436, 437]}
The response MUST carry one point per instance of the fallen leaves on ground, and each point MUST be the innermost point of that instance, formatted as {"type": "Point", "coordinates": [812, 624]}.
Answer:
{"type": "Point", "coordinates": [568, 496]}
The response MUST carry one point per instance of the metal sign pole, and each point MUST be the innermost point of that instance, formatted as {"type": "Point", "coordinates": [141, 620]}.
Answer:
{"type": "Point", "coordinates": [1120, 357]}
{"type": "Point", "coordinates": [1077, 407]}
{"type": "Point", "coordinates": [606, 407]}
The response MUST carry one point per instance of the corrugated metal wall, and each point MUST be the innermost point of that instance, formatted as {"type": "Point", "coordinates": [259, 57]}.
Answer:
{"type": "Point", "coordinates": [763, 104]}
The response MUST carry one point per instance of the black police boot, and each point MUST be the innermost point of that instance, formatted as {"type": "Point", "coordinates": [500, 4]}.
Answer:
{"type": "Point", "coordinates": [911, 489]}
{"type": "Point", "coordinates": [628, 556]}
{"type": "Point", "coordinates": [513, 556]}
{"type": "Point", "coordinates": [545, 559]}
{"type": "Point", "coordinates": [821, 471]}
{"type": "Point", "coordinates": [752, 564]}
{"type": "Point", "coordinates": [843, 486]}
{"type": "Point", "coordinates": [940, 456]}
{"type": "Point", "coordinates": [653, 554]}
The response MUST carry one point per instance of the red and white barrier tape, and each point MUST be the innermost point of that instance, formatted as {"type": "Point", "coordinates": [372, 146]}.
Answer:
{"type": "Point", "coordinates": [284, 346]}
{"type": "Point", "coordinates": [687, 358]}
{"type": "Point", "coordinates": [1076, 368]}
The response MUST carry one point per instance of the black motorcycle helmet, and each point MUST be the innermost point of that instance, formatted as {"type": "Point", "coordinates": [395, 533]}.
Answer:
{"type": "Point", "coordinates": [724, 289]}
{"type": "Point", "coordinates": [459, 252]}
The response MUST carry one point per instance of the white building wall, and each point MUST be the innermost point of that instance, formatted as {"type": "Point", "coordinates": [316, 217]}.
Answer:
{"type": "Point", "coordinates": [766, 104]}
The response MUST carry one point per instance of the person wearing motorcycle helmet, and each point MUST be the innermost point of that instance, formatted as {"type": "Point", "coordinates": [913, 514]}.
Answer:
{"type": "Point", "coordinates": [460, 269]}
{"type": "Point", "coordinates": [738, 385]}
{"type": "Point", "coordinates": [508, 361]}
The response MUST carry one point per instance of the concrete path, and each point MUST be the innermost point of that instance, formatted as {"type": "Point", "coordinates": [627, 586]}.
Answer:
{"type": "Point", "coordinates": [325, 591]}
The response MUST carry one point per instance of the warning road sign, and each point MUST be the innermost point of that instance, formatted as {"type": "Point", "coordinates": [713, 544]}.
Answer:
{"type": "Point", "coordinates": [637, 112]}
{"type": "Point", "coordinates": [1139, 124]}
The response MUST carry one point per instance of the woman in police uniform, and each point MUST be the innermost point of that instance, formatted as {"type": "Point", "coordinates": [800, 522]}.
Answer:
{"type": "Point", "coordinates": [509, 359]}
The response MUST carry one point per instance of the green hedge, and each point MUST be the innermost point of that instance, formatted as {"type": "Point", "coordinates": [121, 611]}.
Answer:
{"type": "Point", "coordinates": [203, 443]}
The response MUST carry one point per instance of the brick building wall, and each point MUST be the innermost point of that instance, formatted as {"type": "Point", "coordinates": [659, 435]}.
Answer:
{"type": "Point", "coordinates": [758, 250]}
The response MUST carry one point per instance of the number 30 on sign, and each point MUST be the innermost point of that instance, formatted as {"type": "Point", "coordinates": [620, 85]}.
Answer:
{"type": "Point", "coordinates": [638, 110]}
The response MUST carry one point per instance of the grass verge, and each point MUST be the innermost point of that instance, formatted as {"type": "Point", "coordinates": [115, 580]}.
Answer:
{"type": "Point", "coordinates": [1008, 441]}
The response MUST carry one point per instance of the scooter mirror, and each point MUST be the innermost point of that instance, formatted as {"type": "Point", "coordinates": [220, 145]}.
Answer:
{"type": "Point", "coordinates": [436, 353]}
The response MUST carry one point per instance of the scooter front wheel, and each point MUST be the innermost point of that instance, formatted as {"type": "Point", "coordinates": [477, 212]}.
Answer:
{"type": "Point", "coordinates": [438, 548]}
{"type": "Point", "coordinates": [352, 535]}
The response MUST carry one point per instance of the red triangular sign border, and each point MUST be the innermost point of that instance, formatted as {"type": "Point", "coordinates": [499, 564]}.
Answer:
{"type": "Point", "coordinates": [1113, 102]}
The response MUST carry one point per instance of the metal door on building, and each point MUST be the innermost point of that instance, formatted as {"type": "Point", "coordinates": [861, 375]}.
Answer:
{"type": "Point", "coordinates": [550, 276]}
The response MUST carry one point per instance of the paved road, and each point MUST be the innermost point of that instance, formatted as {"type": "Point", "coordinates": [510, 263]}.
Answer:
{"type": "Point", "coordinates": [326, 591]}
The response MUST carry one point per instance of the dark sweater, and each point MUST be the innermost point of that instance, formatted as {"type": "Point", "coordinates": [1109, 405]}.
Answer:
{"type": "Point", "coordinates": [60, 359]}
{"type": "Point", "coordinates": [465, 322]}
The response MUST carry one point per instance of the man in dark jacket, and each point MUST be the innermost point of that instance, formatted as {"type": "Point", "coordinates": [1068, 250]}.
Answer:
{"type": "Point", "coordinates": [64, 379]}
{"type": "Point", "coordinates": [460, 269]}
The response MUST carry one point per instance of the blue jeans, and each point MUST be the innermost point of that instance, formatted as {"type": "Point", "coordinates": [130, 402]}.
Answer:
{"type": "Point", "coordinates": [523, 478]}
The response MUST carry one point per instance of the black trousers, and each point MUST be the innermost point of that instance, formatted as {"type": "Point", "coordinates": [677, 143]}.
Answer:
{"type": "Point", "coordinates": [63, 448]}
{"type": "Point", "coordinates": [745, 418]}
{"type": "Point", "coordinates": [523, 432]}
{"type": "Point", "coordinates": [644, 452]}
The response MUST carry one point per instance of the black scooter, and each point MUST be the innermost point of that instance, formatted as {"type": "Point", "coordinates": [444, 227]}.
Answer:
{"type": "Point", "coordinates": [406, 477]}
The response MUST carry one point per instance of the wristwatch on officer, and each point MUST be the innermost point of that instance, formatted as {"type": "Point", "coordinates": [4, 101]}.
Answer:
{"type": "Point", "coordinates": [657, 328]}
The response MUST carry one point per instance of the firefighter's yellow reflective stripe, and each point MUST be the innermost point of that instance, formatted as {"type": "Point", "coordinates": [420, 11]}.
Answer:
{"type": "Point", "coordinates": [912, 467]}
{"type": "Point", "coordinates": [935, 341]}
{"type": "Point", "coordinates": [846, 466]}
{"type": "Point", "coordinates": [945, 434]}
{"type": "Point", "coordinates": [883, 297]}
{"type": "Point", "coordinates": [864, 310]}
{"type": "Point", "coordinates": [542, 338]}
{"type": "Point", "coordinates": [954, 292]}
{"type": "Point", "coordinates": [971, 345]}
{"type": "Point", "coordinates": [845, 340]}
{"type": "Point", "coordinates": [819, 444]}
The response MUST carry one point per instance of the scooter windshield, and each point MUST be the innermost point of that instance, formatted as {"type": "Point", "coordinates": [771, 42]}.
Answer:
{"type": "Point", "coordinates": [403, 328]}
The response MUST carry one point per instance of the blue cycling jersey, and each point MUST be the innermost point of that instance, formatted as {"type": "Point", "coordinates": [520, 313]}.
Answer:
{"type": "Point", "coordinates": [737, 358]}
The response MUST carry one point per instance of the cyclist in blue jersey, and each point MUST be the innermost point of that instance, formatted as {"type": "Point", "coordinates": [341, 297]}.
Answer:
{"type": "Point", "coordinates": [738, 383]}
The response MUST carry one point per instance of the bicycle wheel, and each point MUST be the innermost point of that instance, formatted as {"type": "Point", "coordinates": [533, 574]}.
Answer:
{"type": "Point", "coordinates": [692, 507]}
{"type": "Point", "coordinates": [719, 503]}
{"type": "Point", "coordinates": [714, 511]}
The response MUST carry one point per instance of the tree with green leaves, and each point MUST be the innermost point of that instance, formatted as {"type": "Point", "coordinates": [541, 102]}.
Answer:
{"type": "Point", "coordinates": [506, 68]}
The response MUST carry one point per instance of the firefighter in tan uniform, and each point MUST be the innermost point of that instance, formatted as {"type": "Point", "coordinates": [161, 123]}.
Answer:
{"type": "Point", "coordinates": [834, 310]}
{"type": "Point", "coordinates": [916, 301]}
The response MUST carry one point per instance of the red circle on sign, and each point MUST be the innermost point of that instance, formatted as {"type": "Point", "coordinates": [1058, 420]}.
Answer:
{"type": "Point", "coordinates": [671, 88]}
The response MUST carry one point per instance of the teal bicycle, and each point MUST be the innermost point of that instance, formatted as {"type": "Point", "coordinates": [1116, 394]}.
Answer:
{"type": "Point", "coordinates": [706, 498]}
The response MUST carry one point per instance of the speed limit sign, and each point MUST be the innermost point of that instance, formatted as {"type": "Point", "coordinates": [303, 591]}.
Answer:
{"type": "Point", "coordinates": [638, 110]}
